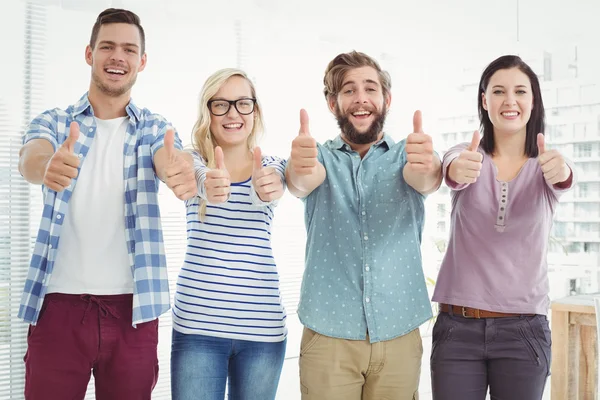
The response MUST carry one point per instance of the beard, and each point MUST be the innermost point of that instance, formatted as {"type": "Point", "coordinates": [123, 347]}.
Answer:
{"type": "Point", "coordinates": [113, 91]}
{"type": "Point", "coordinates": [352, 134]}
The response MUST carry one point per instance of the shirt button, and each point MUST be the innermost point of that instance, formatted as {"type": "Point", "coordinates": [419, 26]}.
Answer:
{"type": "Point", "coordinates": [91, 129]}
{"type": "Point", "coordinates": [58, 216]}
{"type": "Point", "coordinates": [80, 155]}
{"type": "Point", "coordinates": [367, 300]}
{"type": "Point", "coordinates": [364, 213]}
{"type": "Point", "coordinates": [366, 237]}
{"type": "Point", "coordinates": [367, 269]}
{"type": "Point", "coordinates": [49, 246]}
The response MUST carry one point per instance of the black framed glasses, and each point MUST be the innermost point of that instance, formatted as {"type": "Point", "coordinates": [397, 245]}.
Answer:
{"type": "Point", "coordinates": [221, 107]}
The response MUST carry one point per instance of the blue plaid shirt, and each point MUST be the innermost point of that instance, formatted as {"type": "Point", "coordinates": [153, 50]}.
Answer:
{"type": "Point", "coordinates": [145, 135]}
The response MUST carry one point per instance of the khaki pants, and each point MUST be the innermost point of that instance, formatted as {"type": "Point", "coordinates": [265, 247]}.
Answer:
{"type": "Point", "coordinates": [340, 369]}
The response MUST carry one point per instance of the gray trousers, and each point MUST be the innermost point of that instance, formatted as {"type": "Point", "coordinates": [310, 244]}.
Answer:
{"type": "Point", "coordinates": [510, 355]}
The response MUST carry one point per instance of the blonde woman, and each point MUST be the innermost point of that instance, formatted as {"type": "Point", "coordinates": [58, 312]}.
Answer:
{"type": "Point", "coordinates": [228, 317]}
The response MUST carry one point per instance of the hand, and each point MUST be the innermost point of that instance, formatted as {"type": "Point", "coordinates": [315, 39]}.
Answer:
{"type": "Point", "coordinates": [467, 167]}
{"type": "Point", "coordinates": [553, 164]}
{"type": "Point", "coordinates": [218, 181]}
{"type": "Point", "coordinates": [304, 149]}
{"type": "Point", "coordinates": [179, 172]}
{"type": "Point", "coordinates": [265, 180]}
{"type": "Point", "coordinates": [62, 166]}
{"type": "Point", "coordinates": [419, 148]}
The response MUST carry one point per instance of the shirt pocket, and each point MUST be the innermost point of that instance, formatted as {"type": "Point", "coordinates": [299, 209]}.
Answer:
{"type": "Point", "coordinates": [386, 187]}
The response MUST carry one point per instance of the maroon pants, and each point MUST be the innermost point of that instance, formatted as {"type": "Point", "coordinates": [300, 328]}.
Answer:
{"type": "Point", "coordinates": [80, 334]}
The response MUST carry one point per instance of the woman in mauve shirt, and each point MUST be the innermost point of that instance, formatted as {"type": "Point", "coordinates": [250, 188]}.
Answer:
{"type": "Point", "coordinates": [492, 287]}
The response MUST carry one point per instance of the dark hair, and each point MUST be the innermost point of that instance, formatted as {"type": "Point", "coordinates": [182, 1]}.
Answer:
{"type": "Point", "coordinates": [114, 16]}
{"type": "Point", "coordinates": [535, 124]}
{"type": "Point", "coordinates": [342, 63]}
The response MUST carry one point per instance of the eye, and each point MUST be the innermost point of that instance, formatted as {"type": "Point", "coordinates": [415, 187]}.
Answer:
{"type": "Point", "coordinates": [498, 91]}
{"type": "Point", "coordinates": [349, 91]}
{"type": "Point", "coordinates": [521, 92]}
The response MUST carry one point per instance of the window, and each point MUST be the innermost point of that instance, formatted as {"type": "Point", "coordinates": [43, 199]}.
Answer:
{"type": "Point", "coordinates": [441, 227]}
{"type": "Point", "coordinates": [566, 95]}
{"type": "Point", "coordinates": [441, 211]}
{"type": "Point", "coordinates": [591, 247]}
{"type": "Point", "coordinates": [583, 150]}
{"type": "Point", "coordinates": [590, 93]}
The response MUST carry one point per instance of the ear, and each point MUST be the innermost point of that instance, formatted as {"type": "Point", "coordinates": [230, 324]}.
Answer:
{"type": "Point", "coordinates": [142, 63]}
{"type": "Point", "coordinates": [388, 100]}
{"type": "Point", "coordinates": [332, 103]}
{"type": "Point", "coordinates": [89, 59]}
{"type": "Point", "coordinates": [484, 101]}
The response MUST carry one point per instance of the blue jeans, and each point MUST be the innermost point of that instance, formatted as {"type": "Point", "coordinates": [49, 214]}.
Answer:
{"type": "Point", "coordinates": [201, 367]}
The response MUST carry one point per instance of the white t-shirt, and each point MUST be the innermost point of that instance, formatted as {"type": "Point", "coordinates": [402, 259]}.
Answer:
{"type": "Point", "coordinates": [92, 257]}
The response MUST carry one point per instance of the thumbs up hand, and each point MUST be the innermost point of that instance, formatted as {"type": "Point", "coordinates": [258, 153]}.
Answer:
{"type": "Point", "coordinates": [62, 166]}
{"type": "Point", "coordinates": [218, 181]}
{"type": "Point", "coordinates": [179, 171]}
{"type": "Point", "coordinates": [304, 149]}
{"type": "Point", "coordinates": [467, 167]}
{"type": "Point", "coordinates": [419, 148]}
{"type": "Point", "coordinates": [553, 164]}
{"type": "Point", "coordinates": [265, 180]}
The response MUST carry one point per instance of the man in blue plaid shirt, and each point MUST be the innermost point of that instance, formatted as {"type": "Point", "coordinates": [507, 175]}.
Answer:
{"type": "Point", "coordinates": [97, 282]}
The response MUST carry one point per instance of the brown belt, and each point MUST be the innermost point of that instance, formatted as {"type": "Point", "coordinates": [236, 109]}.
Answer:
{"type": "Point", "coordinates": [469, 312]}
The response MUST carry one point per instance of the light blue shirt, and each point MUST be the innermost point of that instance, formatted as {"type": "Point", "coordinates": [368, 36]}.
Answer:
{"type": "Point", "coordinates": [364, 225]}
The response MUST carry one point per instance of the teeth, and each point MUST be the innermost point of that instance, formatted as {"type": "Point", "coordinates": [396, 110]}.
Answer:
{"type": "Point", "coordinates": [115, 71]}
{"type": "Point", "coordinates": [510, 114]}
{"type": "Point", "coordinates": [234, 126]}
{"type": "Point", "coordinates": [361, 113]}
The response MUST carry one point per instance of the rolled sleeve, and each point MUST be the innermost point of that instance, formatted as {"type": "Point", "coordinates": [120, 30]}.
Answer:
{"type": "Point", "coordinates": [44, 126]}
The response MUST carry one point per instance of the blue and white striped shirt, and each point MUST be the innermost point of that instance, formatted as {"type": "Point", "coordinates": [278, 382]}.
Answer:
{"type": "Point", "coordinates": [228, 286]}
{"type": "Point", "coordinates": [145, 135]}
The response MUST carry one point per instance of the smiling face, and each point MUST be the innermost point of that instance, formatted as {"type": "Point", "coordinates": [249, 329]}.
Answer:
{"type": "Point", "coordinates": [360, 107]}
{"type": "Point", "coordinates": [116, 58]}
{"type": "Point", "coordinates": [508, 99]}
{"type": "Point", "coordinates": [233, 128]}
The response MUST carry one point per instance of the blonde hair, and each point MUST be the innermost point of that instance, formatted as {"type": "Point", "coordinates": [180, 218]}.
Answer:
{"type": "Point", "coordinates": [203, 140]}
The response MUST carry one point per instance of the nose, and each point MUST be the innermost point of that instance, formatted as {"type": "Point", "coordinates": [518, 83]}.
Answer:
{"type": "Point", "coordinates": [118, 54]}
{"type": "Point", "coordinates": [509, 99]}
{"type": "Point", "coordinates": [360, 96]}
{"type": "Point", "coordinates": [232, 112]}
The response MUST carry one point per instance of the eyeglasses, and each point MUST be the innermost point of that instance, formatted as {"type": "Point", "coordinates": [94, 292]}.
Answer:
{"type": "Point", "coordinates": [243, 106]}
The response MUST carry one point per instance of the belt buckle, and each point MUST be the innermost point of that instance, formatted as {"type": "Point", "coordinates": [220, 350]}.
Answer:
{"type": "Point", "coordinates": [464, 313]}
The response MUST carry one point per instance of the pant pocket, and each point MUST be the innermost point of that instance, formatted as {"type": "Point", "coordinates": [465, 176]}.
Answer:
{"type": "Point", "coordinates": [530, 346]}
{"type": "Point", "coordinates": [309, 339]}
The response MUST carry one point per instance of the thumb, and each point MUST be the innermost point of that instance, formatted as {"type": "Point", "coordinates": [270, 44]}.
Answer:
{"type": "Point", "coordinates": [541, 142]}
{"type": "Point", "coordinates": [417, 122]}
{"type": "Point", "coordinates": [257, 160]}
{"type": "Point", "coordinates": [170, 143]}
{"type": "Point", "coordinates": [475, 141]}
{"type": "Point", "coordinates": [219, 158]}
{"type": "Point", "coordinates": [304, 131]}
{"type": "Point", "coordinates": [73, 136]}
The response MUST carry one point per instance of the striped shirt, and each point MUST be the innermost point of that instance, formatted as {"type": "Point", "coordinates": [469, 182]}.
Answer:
{"type": "Point", "coordinates": [228, 286]}
{"type": "Point", "coordinates": [145, 135]}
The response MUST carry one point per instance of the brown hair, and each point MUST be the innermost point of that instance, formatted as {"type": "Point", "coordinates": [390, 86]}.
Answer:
{"type": "Point", "coordinates": [536, 123]}
{"type": "Point", "coordinates": [342, 63]}
{"type": "Point", "coordinates": [114, 16]}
